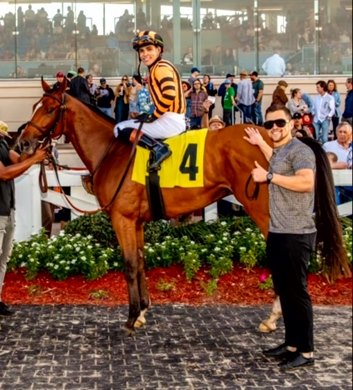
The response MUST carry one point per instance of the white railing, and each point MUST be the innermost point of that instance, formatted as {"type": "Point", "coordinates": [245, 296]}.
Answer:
{"type": "Point", "coordinates": [29, 197]}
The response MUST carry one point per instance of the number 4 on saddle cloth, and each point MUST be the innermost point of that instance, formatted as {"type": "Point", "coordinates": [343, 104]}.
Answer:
{"type": "Point", "coordinates": [184, 168]}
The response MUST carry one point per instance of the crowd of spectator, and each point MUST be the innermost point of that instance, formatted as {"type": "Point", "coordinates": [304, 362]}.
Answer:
{"type": "Point", "coordinates": [67, 35]}
{"type": "Point", "coordinates": [129, 99]}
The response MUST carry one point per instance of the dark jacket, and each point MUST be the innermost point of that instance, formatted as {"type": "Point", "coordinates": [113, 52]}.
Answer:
{"type": "Point", "coordinates": [7, 187]}
{"type": "Point", "coordinates": [348, 107]}
{"type": "Point", "coordinates": [79, 88]}
{"type": "Point", "coordinates": [105, 97]}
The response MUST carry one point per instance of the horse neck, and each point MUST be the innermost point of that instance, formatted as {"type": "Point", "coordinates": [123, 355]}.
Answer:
{"type": "Point", "coordinates": [89, 133]}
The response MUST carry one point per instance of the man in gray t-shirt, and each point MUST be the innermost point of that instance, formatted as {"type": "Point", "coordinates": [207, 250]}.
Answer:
{"type": "Point", "coordinates": [292, 232]}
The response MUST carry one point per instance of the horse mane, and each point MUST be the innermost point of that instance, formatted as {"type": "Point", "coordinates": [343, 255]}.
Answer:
{"type": "Point", "coordinates": [93, 108]}
{"type": "Point", "coordinates": [329, 230]}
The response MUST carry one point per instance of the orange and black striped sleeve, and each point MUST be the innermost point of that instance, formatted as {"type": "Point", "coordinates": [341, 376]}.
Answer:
{"type": "Point", "coordinates": [165, 89]}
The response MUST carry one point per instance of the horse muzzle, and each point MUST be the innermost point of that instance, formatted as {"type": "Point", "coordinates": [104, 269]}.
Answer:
{"type": "Point", "coordinates": [27, 146]}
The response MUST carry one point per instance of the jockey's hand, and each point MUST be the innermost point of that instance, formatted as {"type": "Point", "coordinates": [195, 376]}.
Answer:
{"type": "Point", "coordinates": [146, 118]}
{"type": "Point", "coordinates": [259, 174]}
{"type": "Point", "coordinates": [253, 136]}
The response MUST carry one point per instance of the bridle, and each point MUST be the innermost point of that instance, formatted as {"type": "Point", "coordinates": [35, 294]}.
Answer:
{"type": "Point", "coordinates": [53, 134]}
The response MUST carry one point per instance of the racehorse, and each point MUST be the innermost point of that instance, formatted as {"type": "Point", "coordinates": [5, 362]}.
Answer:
{"type": "Point", "coordinates": [228, 162]}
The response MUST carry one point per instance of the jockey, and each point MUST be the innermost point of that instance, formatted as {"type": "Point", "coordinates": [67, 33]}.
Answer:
{"type": "Point", "coordinates": [164, 83]}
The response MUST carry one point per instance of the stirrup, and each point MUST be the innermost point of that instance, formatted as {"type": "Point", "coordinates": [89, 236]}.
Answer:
{"type": "Point", "coordinates": [156, 164]}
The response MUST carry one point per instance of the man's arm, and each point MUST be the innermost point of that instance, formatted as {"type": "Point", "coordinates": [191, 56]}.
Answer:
{"type": "Point", "coordinates": [302, 181]}
{"type": "Point", "coordinates": [260, 94]}
{"type": "Point", "coordinates": [338, 165]}
{"type": "Point", "coordinates": [18, 167]}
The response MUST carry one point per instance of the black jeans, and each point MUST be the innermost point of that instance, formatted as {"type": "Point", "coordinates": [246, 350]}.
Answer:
{"type": "Point", "coordinates": [288, 256]}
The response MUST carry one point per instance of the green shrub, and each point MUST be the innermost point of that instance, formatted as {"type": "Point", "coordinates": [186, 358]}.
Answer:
{"type": "Point", "coordinates": [96, 225]}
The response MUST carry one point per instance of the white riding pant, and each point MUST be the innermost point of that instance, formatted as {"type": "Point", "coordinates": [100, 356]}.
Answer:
{"type": "Point", "coordinates": [7, 232]}
{"type": "Point", "coordinates": [168, 125]}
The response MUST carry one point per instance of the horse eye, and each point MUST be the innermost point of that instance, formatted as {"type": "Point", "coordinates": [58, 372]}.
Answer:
{"type": "Point", "coordinates": [51, 110]}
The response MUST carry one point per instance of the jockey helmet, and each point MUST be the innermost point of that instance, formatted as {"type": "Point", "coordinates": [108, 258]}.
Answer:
{"type": "Point", "coordinates": [145, 38]}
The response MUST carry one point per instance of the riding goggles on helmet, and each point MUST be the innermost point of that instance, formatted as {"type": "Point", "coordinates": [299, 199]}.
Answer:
{"type": "Point", "coordinates": [147, 39]}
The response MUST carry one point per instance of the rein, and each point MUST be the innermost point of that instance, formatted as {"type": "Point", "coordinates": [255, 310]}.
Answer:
{"type": "Point", "coordinates": [255, 193]}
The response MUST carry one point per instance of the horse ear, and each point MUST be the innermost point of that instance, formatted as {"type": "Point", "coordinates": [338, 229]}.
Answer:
{"type": "Point", "coordinates": [45, 85]}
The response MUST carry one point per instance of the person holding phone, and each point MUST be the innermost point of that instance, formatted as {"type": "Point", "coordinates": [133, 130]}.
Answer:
{"type": "Point", "coordinates": [211, 92]}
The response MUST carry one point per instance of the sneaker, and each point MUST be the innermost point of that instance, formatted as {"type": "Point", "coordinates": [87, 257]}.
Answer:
{"type": "Point", "coordinates": [4, 310]}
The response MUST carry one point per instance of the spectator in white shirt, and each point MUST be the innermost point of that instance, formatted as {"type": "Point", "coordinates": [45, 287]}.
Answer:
{"type": "Point", "coordinates": [341, 148]}
{"type": "Point", "coordinates": [274, 65]}
{"type": "Point", "coordinates": [324, 110]}
{"type": "Point", "coordinates": [245, 97]}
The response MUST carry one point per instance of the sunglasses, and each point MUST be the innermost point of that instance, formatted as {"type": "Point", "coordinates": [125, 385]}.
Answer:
{"type": "Point", "coordinates": [268, 125]}
{"type": "Point", "coordinates": [124, 79]}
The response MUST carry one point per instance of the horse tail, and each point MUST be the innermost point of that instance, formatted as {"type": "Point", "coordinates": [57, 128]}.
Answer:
{"type": "Point", "coordinates": [329, 230]}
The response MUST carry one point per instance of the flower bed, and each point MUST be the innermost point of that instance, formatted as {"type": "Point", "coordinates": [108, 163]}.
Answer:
{"type": "Point", "coordinates": [166, 285]}
{"type": "Point", "coordinates": [222, 261]}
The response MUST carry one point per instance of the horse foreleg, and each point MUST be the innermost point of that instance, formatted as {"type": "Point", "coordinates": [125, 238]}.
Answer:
{"type": "Point", "coordinates": [141, 279]}
{"type": "Point", "coordinates": [127, 236]}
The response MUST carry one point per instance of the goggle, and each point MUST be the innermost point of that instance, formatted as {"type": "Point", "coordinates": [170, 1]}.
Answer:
{"type": "Point", "coordinates": [268, 125]}
{"type": "Point", "coordinates": [145, 40]}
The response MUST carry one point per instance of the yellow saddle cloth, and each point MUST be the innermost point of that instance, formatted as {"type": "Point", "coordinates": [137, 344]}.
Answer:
{"type": "Point", "coordinates": [184, 168]}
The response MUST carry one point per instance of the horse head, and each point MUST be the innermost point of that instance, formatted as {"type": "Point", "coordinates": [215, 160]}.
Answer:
{"type": "Point", "coordinates": [46, 121]}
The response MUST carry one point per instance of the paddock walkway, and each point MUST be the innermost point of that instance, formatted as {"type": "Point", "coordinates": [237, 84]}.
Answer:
{"type": "Point", "coordinates": [183, 347]}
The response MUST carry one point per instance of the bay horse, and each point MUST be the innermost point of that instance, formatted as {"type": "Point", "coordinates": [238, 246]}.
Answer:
{"type": "Point", "coordinates": [228, 162]}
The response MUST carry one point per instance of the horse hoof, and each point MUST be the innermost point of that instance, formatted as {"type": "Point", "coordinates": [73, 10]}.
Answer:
{"type": "Point", "coordinates": [130, 332]}
{"type": "Point", "coordinates": [265, 327]}
{"type": "Point", "coordinates": [139, 323]}
{"type": "Point", "coordinates": [141, 320]}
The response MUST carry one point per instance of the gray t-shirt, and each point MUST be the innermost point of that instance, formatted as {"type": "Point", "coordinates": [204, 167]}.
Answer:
{"type": "Point", "coordinates": [291, 212]}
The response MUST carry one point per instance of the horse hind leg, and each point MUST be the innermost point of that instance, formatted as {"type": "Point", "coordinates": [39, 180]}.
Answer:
{"type": "Point", "coordinates": [145, 301]}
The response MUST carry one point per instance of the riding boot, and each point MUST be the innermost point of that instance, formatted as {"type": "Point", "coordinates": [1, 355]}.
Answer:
{"type": "Point", "coordinates": [160, 150]}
